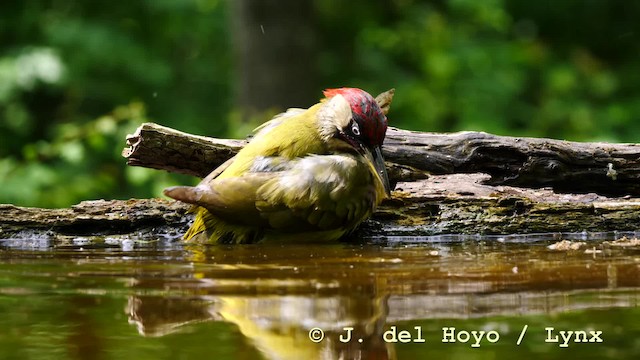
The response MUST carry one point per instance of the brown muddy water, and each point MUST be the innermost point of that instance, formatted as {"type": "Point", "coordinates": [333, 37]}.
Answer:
{"type": "Point", "coordinates": [397, 298]}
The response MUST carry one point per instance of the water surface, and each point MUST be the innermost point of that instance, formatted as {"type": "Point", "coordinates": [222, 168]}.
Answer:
{"type": "Point", "coordinates": [397, 298]}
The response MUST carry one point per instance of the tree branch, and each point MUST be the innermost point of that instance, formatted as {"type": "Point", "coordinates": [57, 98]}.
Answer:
{"type": "Point", "coordinates": [573, 167]}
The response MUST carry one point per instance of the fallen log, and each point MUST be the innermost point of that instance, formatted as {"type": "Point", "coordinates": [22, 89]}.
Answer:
{"type": "Point", "coordinates": [441, 204]}
{"type": "Point", "coordinates": [570, 167]}
{"type": "Point", "coordinates": [465, 204]}
{"type": "Point", "coordinates": [139, 218]}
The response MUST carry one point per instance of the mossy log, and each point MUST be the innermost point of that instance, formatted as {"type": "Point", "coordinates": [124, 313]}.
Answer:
{"type": "Point", "coordinates": [465, 204]}
{"type": "Point", "coordinates": [142, 218]}
{"type": "Point", "coordinates": [441, 204]}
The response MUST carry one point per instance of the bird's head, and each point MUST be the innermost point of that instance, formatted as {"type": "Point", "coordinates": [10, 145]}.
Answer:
{"type": "Point", "coordinates": [353, 117]}
{"type": "Point", "coordinates": [350, 120]}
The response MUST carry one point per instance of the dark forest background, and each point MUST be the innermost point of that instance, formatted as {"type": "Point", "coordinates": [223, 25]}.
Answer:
{"type": "Point", "coordinates": [77, 76]}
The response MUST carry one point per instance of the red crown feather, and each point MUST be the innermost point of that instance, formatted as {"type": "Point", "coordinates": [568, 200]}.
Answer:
{"type": "Point", "coordinates": [366, 110]}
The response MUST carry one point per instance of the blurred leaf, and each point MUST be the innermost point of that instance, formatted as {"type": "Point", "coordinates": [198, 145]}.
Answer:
{"type": "Point", "coordinates": [76, 77]}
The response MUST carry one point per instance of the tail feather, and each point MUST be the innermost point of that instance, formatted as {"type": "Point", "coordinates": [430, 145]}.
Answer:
{"type": "Point", "coordinates": [209, 229]}
{"type": "Point", "coordinates": [189, 194]}
{"type": "Point", "coordinates": [199, 223]}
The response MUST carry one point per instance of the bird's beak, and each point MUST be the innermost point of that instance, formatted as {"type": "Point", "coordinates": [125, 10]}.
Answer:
{"type": "Point", "coordinates": [378, 163]}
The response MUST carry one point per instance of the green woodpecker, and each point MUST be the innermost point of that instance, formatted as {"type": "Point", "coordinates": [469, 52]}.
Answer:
{"type": "Point", "coordinates": [312, 174]}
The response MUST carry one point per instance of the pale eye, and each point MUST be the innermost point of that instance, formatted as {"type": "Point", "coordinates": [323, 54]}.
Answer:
{"type": "Point", "coordinates": [355, 129]}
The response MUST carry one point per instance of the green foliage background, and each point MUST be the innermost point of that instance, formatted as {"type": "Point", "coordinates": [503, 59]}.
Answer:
{"type": "Point", "coordinates": [77, 76]}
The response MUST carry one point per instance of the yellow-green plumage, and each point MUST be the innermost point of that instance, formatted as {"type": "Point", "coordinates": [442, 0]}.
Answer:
{"type": "Point", "coordinates": [292, 181]}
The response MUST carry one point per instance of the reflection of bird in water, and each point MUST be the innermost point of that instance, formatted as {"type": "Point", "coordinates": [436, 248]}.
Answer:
{"type": "Point", "coordinates": [278, 326]}
{"type": "Point", "coordinates": [307, 174]}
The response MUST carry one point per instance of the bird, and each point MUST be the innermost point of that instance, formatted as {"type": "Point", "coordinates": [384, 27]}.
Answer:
{"type": "Point", "coordinates": [306, 175]}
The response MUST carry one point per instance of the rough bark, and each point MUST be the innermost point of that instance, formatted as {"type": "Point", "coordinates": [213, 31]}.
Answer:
{"type": "Point", "coordinates": [441, 204]}
{"type": "Point", "coordinates": [159, 147]}
{"type": "Point", "coordinates": [463, 204]}
{"type": "Point", "coordinates": [95, 218]}
{"type": "Point", "coordinates": [572, 167]}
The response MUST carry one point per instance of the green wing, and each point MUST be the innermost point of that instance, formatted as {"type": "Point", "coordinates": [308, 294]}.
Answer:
{"type": "Point", "coordinates": [307, 194]}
